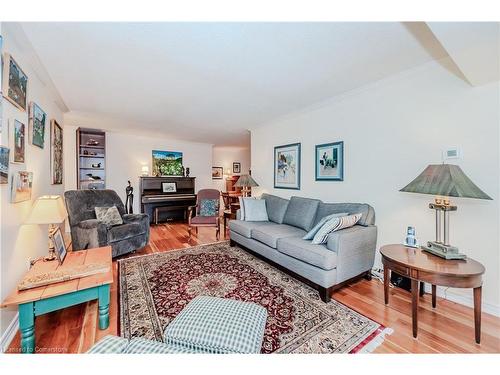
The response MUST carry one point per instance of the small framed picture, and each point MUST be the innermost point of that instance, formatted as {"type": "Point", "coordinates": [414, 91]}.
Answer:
{"type": "Point", "coordinates": [169, 187]}
{"type": "Point", "coordinates": [59, 246]}
{"type": "Point", "coordinates": [217, 173]}
{"type": "Point", "coordinates": [236, 167]}
{"type": "Point", "coordinates": [330, 162]}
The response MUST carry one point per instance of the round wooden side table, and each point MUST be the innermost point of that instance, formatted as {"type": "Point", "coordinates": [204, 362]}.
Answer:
{"type": "Point", "coordinates": [419, 265]}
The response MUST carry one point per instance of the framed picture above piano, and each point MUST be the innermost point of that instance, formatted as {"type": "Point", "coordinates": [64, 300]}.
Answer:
{"type": "Point", "coordinates": [167, 163]}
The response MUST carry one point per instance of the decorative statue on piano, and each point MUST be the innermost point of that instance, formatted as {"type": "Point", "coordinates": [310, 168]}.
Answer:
{"type": "Point", "coordinates": [129, 190]}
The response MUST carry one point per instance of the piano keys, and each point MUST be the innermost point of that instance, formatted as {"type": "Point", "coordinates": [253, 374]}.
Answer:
{"type": "Point", "coordinates": [162, 202]}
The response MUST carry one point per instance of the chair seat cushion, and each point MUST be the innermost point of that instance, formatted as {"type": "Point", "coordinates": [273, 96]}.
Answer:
{"type": "Point", "coordinates": [204, 220]}
{"type": "Point", "coordinates": [125, 231]}
{"type": "Point", "coordinates": [270, 235]}
{"type": "Point", "coordinates": [316, 255]}
{"type": "Point", "coordinates": [245, 227]}
{"type": "Point", "coordinates": [218, 325]}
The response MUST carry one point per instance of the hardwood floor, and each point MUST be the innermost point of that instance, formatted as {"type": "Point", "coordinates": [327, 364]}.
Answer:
{"type": "Point", "coordinates": [447, 329]}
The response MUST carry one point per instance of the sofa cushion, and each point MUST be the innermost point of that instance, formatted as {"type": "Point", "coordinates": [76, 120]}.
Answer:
{"type": "Point", "coordinates": [270, 234]}
{"type": "Point", "coordinates": [245, 228]}
{"type": "Point", "coordinates": [333, 225]}
{"type": "Point", "coordinates": [276, 207]}
{"type": "Point", "coordinates": [218, 325]}
{"type": "Point", "coordinates": [310, 235]}
{"type": "Point", "coordinates": [301, 212]}
{"type": "Point", "coordinates": [316, 255]}
{"type": "Point", "coordinates": [125, 231]}
{"type": "Point", "coordinates": [367, 211]}
{"type": "Point", "coordinates": [254, 209]}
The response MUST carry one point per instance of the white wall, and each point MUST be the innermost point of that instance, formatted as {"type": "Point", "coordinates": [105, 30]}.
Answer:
{"type": "Point", "coordinates": [19, 242]}
{"type": "Point", "coordinates": [224, 157]}
{"type": "Point", "coordinates": [127, 153]}
{"type": "Point", "coordinates": [391, 131]}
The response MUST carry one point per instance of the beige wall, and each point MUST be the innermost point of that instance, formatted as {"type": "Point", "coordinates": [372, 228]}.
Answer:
{"type": "Point", "coordinates": [19, 242]}
{"type": "Point", "coordinates": [391, 131]}
{"type": "Point", "coordinates": [224, 157]}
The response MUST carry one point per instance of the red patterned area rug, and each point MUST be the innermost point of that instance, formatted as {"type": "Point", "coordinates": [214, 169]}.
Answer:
{"type": "Point", "coordinates": [155, 288]}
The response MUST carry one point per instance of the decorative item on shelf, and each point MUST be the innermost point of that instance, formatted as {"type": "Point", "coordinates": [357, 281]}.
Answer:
{"type": "Point", "coordinates": [56, 152]}
{"type": "Point", "coordinates": [92, 142]}
{"type": "Point", "coordinates": [144, 170]}
{"type": "Point", "coordinates": [236, 167]}
{"type": "Point", "coordinates": [129, 191]}
{"type": "Point", "coordinates": [187, 172]}
{"type": "Point", "coordinates": [217, 173]}
{"type": "Point", "coordinates": [4, 165]}
{"type": "Point", "coordinates": [93, 177]}
{"type": "Point", "coordinates": [330, 162]}
{"type": "Point", "coordinates": [19, 142]}
{"type": "Point", "coordinates": [443, 181]}
{"type": "Point", "coordinates": [167, 163]}
{"type": "Point", "coordinates": [411, 239]}
{"type": "Point", "coordinates": [36, 123]}
{"type": "Point", "coordinates": [96, 165]}
{"type": "Point", "coordinates": [287, 166]}
{"type": "Point", "coordinates": [22, 185]}
{"type": "Point", "coordinates": [49, 209]}
{"type": "Point", "coordinates": [246, 182]}
{"type": "Point", "coordinates": [15, 83]}
{"type": "Point", "coordinates": [85, 152]}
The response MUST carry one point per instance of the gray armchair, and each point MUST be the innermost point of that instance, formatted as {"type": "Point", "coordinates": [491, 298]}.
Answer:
{"type": "Point", "coordinates": [87, 232]}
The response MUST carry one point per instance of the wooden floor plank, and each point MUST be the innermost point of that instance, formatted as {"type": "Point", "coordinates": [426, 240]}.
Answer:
{"type": "Point", "coordinates": [447, 329]}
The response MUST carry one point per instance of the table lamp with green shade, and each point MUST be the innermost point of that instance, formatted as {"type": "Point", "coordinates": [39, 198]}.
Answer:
{"type": "Point", "coordinates": [246, 182]}
{"type": "Point", "coordinates": [444, 181]}
{"type": "Point", "coordinates": [48, 209]}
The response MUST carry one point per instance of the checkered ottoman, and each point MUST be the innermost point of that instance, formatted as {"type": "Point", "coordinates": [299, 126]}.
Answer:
{"type": "Point", "coordinates": [218, 325]}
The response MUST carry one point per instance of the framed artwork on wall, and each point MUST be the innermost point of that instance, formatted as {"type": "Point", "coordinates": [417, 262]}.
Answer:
{"type": "Point", "coordinates": [19, 155]}
{"type": "Point", "coordinates": [15, 83]}
{"type": "Point", "coordinates": [287, 166]}
{"type": "Point", "coordinates": [22, 184]}
{"type": "Point", "coordinates": [217, 173]}
{"type": "Point", "coordinates": [36, 125]}
{"type": "Point", "coordinates": [4, 165]}
{"type": "Point", "coordinates": [330, 162]}
{"type": "Point", "coordinates": [56, 152]}
{"type": "Point", "coordinates": [236, 167]}
{"type": "Point", "coordinates": [167, 163]}
{"type": "Point", "coordinates": [169, 187]}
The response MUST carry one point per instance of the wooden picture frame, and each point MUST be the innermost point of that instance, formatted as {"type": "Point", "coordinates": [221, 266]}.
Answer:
{"type": "Point", "coordinates": [4, 165]}
{"type": "Point", "coordinates": [169, 187]}
{"type": "Point", "coordinates": [19, 145]}
{"type": "Point", "coordinates": [329, 161]}
{"type": "Point", "coordinates": [217, 173]}
{"type": "Point", "coordinates": [14, 83]}
{"type": "Point", "coordinates": [36, 122]}
{"type": "Point", "coordinates": [59, 245]}
{"type": "Point", "coordinates": [56, 153]}
{"type": "Point", "coordinates": [287, 165]}
{"type": "Point", "coordinates": [236, 167]}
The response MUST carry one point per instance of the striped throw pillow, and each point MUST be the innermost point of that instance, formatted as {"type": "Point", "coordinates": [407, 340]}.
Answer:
{"type": "Point", "coordinates": [333, 225]}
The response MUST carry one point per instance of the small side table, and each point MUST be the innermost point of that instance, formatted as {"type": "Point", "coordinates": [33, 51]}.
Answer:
{"type": "Point", "coordinates": [419, 265]}
{"type": "Point", "coordinates": [44, 299]}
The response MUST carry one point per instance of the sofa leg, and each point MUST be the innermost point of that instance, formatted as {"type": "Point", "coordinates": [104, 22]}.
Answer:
{"type": "Point", "coordinates": [368, 275]}
{"type": "Point", "coordinates": [232, 243]}
{"type": "Point", "coordinates": [325, 294]}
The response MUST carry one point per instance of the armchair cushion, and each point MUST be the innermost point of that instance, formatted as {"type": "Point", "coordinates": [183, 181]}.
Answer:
{"type": "Point", "coordinates": [125, 231]}
{"type": "Point", "coordinates": [108, 215]}
{"type": "Point", "coordinates": [209, 207]}
{"type": "Point", "coordinates": [204, 220]}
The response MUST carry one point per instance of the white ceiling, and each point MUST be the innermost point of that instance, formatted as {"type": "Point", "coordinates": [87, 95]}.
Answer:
{"type": "Point", "coordinates": [210, 82]}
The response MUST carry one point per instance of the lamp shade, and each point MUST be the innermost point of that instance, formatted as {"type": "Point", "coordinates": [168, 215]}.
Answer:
{"type": "Point", "coordinates": [445, 180]}
{"type": "Point", "coordinates": [246, 181]}
{"type": "Point", "coordinates": [145, 170]}
{"type": "Point", "coordinates": [48, 209]}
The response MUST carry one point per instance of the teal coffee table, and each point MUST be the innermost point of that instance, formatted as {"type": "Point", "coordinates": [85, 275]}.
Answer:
{"type": "Point", "coordinates": [41, 300]}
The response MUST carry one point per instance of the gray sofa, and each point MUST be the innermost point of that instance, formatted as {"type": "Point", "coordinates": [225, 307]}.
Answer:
{"type": "Point", "coordinates": [349, 253]}
{"type": "Point", "coordinates": [87, 232]}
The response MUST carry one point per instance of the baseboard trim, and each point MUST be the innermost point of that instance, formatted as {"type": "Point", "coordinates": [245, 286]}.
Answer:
{"type": "Point", "coordinates": [9, 333]}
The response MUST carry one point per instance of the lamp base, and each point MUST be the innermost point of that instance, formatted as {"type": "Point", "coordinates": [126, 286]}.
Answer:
{"type": "Point", "coordinates": [443, 251]}
{"type": "Point", "coordinates": [51, 256]}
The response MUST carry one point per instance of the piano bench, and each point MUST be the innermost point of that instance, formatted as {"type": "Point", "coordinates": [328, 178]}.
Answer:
{"type": "Point", "coordinates": [158, 210]}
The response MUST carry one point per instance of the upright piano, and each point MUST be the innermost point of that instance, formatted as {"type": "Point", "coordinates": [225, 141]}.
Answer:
{"type": "Point", "coordinates": [171, 195]}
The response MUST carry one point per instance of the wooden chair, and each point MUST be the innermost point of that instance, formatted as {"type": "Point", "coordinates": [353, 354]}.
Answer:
{"type": "Point", "coordinates": [226, 200]}
{"type": "Point", "coordinates": [204, 221]}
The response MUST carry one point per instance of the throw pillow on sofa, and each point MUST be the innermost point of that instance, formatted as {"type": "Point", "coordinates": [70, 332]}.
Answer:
{"type": "Point", "coordinates": [252, 209]}
{"type": "Point", "coordinates": [310, 235]}
{"type": "Point", "coordinates": [333, 225]}
{"type": "Point", "coordinates": [108, 215]}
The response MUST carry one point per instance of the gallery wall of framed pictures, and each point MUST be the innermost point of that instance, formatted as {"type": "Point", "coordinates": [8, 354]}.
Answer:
{"type": "Point", "coordinates": [24, 131]}
{"type": "Point", "coordinates": [328, 164]}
